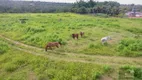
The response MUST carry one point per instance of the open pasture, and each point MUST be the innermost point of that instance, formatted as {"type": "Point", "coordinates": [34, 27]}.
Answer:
{"type": "Point", "coordinates": [29, 33]}
{"type": "Point", "coordinates": [19, 65]}
{"type": "Point", "coordinates": [39, 29]}
{"type": "Point", "coordinates": [20, 61]}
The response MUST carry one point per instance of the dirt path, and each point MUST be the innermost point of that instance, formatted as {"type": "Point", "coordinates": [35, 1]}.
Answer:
{"type": "Point", "coordinates": [75, 57]}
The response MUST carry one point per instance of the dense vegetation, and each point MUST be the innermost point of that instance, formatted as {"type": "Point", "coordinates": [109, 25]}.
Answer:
{"type": "Point", "coordinates": [130, 46]}
{"type": "Point", "coordinates": [9, 6]}
{"type": "Point", "coordinates": [39, 29]}
{"type": "Point", "coordinates": [110, 8]}
{"type": "Point", "coordinates": [107, 8]}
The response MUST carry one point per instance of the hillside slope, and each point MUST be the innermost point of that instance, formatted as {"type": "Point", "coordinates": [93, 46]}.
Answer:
{"type": "Point", "coordinates": [39, 29]}
{"type": "Point", "coordinates": [23, 38]}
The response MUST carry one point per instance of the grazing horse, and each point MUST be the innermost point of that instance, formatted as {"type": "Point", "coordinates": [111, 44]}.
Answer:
{"type": "Point", "coordinates": [81, 34]}
{"type": "Point", "coordinates": [75, 36]}
{"type": "Point", "coordinates": [52, 44]}
{"type": "Point", "coordinates": [105, 39]}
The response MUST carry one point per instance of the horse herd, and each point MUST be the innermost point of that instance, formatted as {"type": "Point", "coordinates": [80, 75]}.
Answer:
{"type": "Point", "coordinates": [77, 35]}
{"type": "Point", "coordinates": [74, 36]}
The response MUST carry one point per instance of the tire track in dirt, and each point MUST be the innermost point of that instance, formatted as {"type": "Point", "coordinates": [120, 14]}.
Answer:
{"type": "Point", "coordinates": [75, 57]}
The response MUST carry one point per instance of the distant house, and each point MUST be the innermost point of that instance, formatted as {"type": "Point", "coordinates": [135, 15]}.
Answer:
{"type": "Point", "coordinates": [138, 14]}
{"type": "Point", "coordinates": [134, 14]}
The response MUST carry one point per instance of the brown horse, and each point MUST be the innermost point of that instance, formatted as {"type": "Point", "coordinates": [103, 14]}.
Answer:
{"type": "Point", "coordinates": [52, 44]}
{"type": "Point", "coordinates": [81, 34]}
{"type": "Point", "coordinates": [75, 36]}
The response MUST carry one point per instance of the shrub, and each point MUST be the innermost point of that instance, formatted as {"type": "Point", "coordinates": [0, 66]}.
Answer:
{"type": "Point", "coordinates": [91, 46]}
{"type": "Point", "coordinates": [134, 71]}
{"type": "Point", "coordinates": [96, 75]}
{"type": "Point", "coordinates": [129, 47]}
{"type": "Point", "coordinates": [126, 71]}
{"type": "Point", "coordinates": [127, 68]}
{"type": "Point", "coordinates": [121, 15]}
{"type": "Point", "coordinates": [138, 73]}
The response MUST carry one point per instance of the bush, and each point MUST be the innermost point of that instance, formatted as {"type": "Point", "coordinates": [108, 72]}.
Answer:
{"type": "Point", "coordinates": [91, 46]}
{"type": "Point", "coordinates": [121, 15]}
{"type": "Point", "coordinates": [96, 75]}
{"type": "Point", "coordinates": [134, 71]}
{"type": "Point", "coordinates": [129, 47]}
{"type": "Point", "coordinates": [138, 73]}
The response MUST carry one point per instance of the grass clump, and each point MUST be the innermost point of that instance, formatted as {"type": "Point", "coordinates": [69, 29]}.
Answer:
{"type": "Point", "coordinates": [3, 47]}
{"type": "Point", "coordinates": [9, 67]}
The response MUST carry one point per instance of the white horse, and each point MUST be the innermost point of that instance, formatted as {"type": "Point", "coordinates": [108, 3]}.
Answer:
{"type": "Point", "coordinates": [105, 39]}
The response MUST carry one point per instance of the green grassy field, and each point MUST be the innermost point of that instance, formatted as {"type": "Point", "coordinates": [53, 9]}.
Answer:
{"type": "Point", "coordinates": [18, 65]}
{"type": "Point", "coordinates": [40, 29]}
{"type": "Point", "coordinates": [82, 59]}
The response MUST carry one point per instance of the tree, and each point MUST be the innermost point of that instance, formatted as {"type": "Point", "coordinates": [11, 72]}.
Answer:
{"type": "Point", "coordinates": [82, 10]}
{"type": "Point", "coordinates": [91, 3]}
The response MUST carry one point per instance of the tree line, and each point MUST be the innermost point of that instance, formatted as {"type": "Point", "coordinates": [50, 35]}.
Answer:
{"type": "Point", "coordinates": [106, 7]}
{"type": "Point", "coordinates": [9, 6]}
{"type": "Point", "coordinates": [111, 8]}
